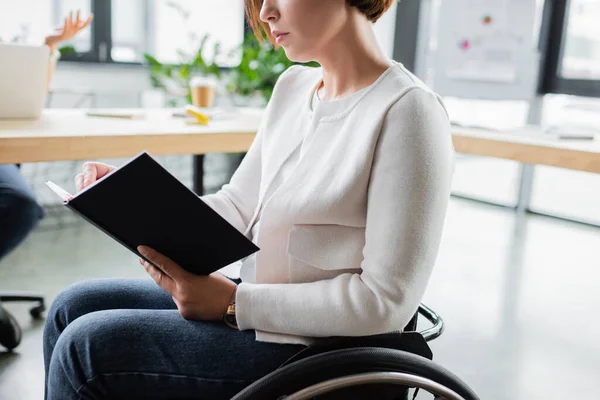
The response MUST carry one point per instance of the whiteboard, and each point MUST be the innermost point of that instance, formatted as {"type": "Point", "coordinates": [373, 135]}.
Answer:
{"type": "Point", "coordinates": [486, 49]}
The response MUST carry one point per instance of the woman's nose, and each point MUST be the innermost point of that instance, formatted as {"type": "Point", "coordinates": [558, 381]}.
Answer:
{"type": "Point", "coordinates": [269, 11]}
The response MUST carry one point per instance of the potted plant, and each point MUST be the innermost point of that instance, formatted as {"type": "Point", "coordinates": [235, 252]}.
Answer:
{"type": "Point", "coordinates": [260, 66]}
{"type": "Point", "coordinates": [174, 79]}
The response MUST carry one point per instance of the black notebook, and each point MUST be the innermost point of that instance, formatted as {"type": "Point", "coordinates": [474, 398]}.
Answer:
{"type": "Point", "coordinates": [141, 203]}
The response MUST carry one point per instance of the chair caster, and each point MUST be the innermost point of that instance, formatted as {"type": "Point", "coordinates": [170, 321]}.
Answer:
{"type": "Point", "coordinates": [10, 332]}
{"type": "Point", "coordinates": [36, 311]}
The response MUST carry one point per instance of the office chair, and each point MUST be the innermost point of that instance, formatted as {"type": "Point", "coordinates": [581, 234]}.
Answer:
{"type": "Point", "coordinates": [384, 367]}
{"type": "Point", "coordinates": [10, 332]}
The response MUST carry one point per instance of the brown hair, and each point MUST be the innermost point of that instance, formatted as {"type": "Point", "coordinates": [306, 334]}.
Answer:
{"type": "Point", "coordinates": [372, 9]}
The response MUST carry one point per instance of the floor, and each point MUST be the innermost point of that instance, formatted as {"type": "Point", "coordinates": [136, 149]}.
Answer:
{"type": "Point", "coordinates": [519, 297]}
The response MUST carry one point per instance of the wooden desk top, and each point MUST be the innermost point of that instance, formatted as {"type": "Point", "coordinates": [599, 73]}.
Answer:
{"type": "Point", "coordinates": [531, 146]}
{"type": "Point", "coordinates": [71, 135]}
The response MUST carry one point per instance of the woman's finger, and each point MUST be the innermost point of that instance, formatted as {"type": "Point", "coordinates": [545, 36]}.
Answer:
{"type": "Point", "coordinates": [90, 173]}
{"type": "Point", "coordinates": [79, 182]}
{"type": "Point", "coordinates": [101, 169]}
{"type": "Point", "coordinates": [87, 22]}
{"type": "Point", "coordinates": [167, 266]}
{"type": "Point", "coordinates": [78, 18]}
{"type": "Point", "coordinates": [161, 279]}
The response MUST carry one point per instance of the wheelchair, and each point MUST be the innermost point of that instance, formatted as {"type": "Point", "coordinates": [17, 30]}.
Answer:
{"type": "Point", "coordinates": [382, 367]}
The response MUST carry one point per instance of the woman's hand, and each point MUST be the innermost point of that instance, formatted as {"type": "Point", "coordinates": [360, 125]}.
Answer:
{"type": "Point", "coordinates": [92, 171]}
{"type": "Point", "coordinates": [72, 26]}
{"type": "Point", "coordinates": [197, 297]}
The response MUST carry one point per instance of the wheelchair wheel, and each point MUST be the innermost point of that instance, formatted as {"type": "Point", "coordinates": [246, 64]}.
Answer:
{"type": "Point", "coordinates": [325, 373]}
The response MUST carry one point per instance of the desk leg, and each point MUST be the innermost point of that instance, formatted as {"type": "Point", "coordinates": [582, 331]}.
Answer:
{"type": "Point", "coordinates": [525, 187]}
{"type": "Point", "coordinates": [198, 174]}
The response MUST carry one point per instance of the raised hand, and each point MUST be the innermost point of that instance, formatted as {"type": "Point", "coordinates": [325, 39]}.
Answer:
{"type": "Point", "coordinates": [71, 27]}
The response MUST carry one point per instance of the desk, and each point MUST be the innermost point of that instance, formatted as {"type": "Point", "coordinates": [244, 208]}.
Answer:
{"type": "Point", "coordinates": [529, 146]}
{"type": "Point", "coordinates": [70, 135]}
{"type": "Point", "coordinates": [62, 135]}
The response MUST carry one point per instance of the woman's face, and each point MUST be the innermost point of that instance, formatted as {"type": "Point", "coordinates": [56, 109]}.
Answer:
{"type": "Point", "coordinates": [304, 27]}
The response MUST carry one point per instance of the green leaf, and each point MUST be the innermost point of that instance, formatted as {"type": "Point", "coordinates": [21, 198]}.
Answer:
{"type": "Point", "coordinates": [184, 71]}
{"type": "Point", "coordinates": [67, 50]}
{"type": "Point", "coordinates": [151, 60]}
{"type": "Point", "coordinates": [203, 43]}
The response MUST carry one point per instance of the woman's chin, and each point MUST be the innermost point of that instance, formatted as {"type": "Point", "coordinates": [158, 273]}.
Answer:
{"type": "Point", "coordinates": [296, 56]}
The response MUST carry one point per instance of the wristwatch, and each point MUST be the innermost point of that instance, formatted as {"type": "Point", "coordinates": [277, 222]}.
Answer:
{"type": "Point", "coordinates": [229, 316]}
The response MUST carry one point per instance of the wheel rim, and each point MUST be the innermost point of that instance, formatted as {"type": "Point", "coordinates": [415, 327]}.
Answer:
{"type": "Point", "coordinates": [397, 378]}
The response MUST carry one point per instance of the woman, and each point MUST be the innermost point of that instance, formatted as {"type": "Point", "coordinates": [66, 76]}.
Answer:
{"type": "Point", "coordinates": [344, 189]}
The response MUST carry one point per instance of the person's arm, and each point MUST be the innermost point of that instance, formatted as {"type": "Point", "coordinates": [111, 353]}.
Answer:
{"type": "Point", "coordinates": [54, 56]}
{"type": "Point", "coordinates": [407, 201]}
{"type": "Point", "coordinates": [71, 27]}
{"type": "Point", "coordinates": [237, 200]}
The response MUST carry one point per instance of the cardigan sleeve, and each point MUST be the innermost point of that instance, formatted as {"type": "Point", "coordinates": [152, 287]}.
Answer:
{"type": "Point", "coordinates": [237, 200]}
{"type": "Point", "coordinates": [408, 196]}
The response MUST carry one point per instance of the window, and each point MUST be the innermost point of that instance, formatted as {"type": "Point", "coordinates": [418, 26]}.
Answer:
{"type": "Point", "coordinates": [581, 57]}
{"type": "Point", "coordinates": [573, 66]}
{"type": "Point", "coordinates": [82, 43]}
{"type": "Point", "coordinates": [129, 30]}
{"type": "Point", "coordinates": [167, 29]}
{"type": "Point", "coordinates": [25, 21]}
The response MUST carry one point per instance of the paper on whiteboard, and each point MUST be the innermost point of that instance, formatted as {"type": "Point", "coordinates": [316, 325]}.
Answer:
{"type": "Point", "coordinates": [485, 45]}
{"type": "Point", "coordinates": [490, 59]}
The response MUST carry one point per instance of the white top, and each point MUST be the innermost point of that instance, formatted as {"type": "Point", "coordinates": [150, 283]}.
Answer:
{"type": "Point", "coordinates": [349, 231]}
{"type": "Point", "coordinates": [320, 109]}
{"type": "Point", "coordinates": [248, 268]}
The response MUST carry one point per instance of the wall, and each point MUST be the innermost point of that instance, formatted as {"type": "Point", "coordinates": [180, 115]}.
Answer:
{"type": "Point", "coordinates": [114, 85]}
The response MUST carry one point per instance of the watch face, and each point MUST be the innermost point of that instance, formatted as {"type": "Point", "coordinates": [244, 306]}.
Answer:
{"type": "Point", "coordinates": [231, 320]}
{"type": "Point", "coordinates": [229, 317]}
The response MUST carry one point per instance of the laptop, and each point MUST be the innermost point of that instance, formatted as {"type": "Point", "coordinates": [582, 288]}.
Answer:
{"type": "Point", "coordinates": [23, 74]}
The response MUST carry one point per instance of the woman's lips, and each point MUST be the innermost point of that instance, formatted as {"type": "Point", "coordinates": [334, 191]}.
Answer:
{"type": "Point", "coordinates": [280, 37]}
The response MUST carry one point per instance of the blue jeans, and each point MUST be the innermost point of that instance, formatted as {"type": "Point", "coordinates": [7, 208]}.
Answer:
{"type": "Point", "coordinates": [125, 339]}
{"type": "Point", "coordinates": [19, 210]}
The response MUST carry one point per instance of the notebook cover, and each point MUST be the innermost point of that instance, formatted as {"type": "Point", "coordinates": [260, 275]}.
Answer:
{"type": "Point", "coordinates": [141, 203]}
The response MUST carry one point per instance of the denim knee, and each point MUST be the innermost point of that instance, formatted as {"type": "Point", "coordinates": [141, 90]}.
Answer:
{"type": "Point", "coordinates": [69, 305]}
{"type": "Point", "coordinates": [19, 215]}
{"type": "Point", "coordinates": [71, 362]}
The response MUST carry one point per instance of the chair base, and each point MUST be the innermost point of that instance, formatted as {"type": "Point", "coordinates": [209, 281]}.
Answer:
{"type": "Point", "coordinates": [6, 296]}
{"type": "Point", "coordinates": [10, 332]}
{"type": "Point", "coordinates": [35, 311]}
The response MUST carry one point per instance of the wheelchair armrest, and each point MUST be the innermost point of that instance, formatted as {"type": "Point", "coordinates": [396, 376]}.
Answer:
{"type": "Point", "coordinates": [410, 341]}
{"type": "Point", "coordinates": [437, 329]}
